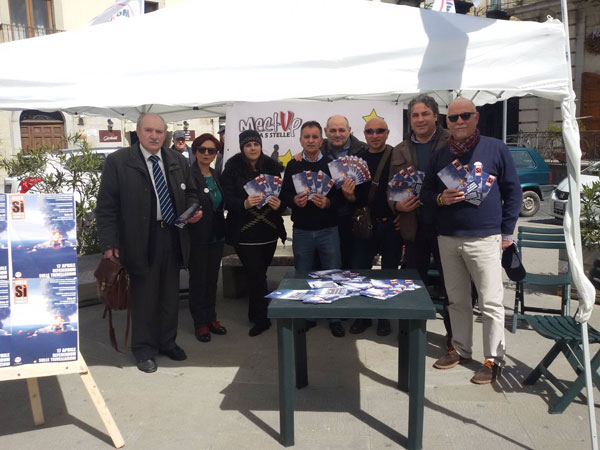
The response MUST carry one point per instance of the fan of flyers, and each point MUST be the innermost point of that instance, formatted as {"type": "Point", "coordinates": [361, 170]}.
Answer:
{"type": "Point", "coordinates": [469, 179]}
{"type": "Point", "coordinates": [312, 183]}
{"type": "Point", "coordinates": [349, 167]}
{"type": "Point", "coordinates": [405, 183]}
{"type": "Point", "coordinates": [265, 185]}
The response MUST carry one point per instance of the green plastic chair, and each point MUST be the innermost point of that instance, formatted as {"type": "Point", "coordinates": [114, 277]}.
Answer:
{"type": "Point", "coordinates": [541, 238]}
{"type": "Point", "coordinates": [566, 334]}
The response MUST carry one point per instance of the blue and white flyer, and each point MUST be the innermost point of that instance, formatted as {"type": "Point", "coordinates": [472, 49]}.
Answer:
{"type": "Point", "coordinates": [42, 236]}
{"type": "Point", "coordinates": [38, 279]}
{"type": "Point", "coordinates": [44, 320]}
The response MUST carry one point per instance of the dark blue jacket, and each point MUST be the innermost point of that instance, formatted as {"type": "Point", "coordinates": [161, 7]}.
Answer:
{"type": "Point", "coordinates": [499, 211]}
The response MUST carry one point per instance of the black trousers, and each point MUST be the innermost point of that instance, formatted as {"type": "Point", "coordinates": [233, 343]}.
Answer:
{"type": "Point", "coordinates": [418, 256]}
{"type": "Point", "coordinates": [204, 264]}
{"type": "Point", "coordinates": [155, 298]}
{"type": "Point", "coordinates": [256, 259]}
{"type": "Point", "coordinates": [386, 241]}
{"type": "Point", "coordinates": [346, 240]}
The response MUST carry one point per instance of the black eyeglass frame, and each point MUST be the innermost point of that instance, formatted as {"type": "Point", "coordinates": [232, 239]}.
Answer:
{"type": "Point", "coordinates": [209, 150]}
{"type": "Point", "coordinates": [370, 131]}
{"type": "Point", "coordinates": [464, 116]}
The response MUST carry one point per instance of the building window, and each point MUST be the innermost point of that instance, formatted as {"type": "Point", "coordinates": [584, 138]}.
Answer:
{"type": "Point", "coordinates": [150, 7]}
{"type": "Point", "coordinates": [30, 18]}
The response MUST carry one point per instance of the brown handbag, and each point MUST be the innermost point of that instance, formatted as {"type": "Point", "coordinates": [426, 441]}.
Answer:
{"type": "Point", "coordinates": [112, 281]}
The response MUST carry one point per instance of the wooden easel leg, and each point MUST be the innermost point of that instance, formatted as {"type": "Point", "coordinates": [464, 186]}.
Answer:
{"type": "Point", "coordinates": [101, 407]}
{"type": "Point", "coordinates": [36, 401]}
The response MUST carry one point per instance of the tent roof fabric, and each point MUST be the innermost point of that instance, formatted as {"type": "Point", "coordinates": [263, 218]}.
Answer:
{"type": "Point", "coordinates": [280, 49]}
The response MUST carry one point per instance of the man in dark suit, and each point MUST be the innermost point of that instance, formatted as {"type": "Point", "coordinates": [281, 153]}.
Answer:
{"type": "Point", "coordinates": [143, 189]}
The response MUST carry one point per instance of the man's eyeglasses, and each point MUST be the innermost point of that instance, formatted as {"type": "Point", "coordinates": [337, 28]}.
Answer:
{"type": "Point", "coordinates": [210, 151]}
{"type": "Point", "coordinates": [370, 131]}
{"type": "Point", "coordinates": [464, 116]}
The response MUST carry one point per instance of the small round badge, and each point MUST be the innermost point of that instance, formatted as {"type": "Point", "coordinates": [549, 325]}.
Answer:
{"type": "Point", "coordinates": [183, 186]}
{"type": "Point", "coordinates": [206, 190]}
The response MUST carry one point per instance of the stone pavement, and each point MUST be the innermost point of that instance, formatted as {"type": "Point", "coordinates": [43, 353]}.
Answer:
{"type": "Point", "coordinates": [225, 395]}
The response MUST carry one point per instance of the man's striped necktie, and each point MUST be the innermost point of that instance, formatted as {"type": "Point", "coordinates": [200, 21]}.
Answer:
{"type": "Point", "coordinates": [166, 206]}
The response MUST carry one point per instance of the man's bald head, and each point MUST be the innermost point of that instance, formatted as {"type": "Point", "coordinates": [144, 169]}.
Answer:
{"type": "Point", "coordinates": [337, 131]}
{"type": "Point", "coordinates": [376, 134]}
{"type": "Point", "coordinates": [462, 119]}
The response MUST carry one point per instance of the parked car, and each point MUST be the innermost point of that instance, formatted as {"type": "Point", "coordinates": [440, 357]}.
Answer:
{"type": "Point", "coordinates": [533, 173]}
{"type": "Point", "coordinates": [560, 195]}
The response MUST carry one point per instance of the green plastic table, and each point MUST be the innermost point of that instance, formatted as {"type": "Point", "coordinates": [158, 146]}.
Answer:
{"type": "Point", "coordinates": [411, 308]}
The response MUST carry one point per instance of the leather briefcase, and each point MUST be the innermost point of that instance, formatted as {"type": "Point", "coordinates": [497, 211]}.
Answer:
{"type": "Point", "coordinates": [112, 281]}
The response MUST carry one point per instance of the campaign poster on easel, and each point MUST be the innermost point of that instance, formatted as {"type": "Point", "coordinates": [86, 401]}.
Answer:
{"type": "Point", "coordinates": [39, 322]}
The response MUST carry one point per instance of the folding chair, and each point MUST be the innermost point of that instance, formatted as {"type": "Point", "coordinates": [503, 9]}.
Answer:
{"type": "Point", "coordinates": [566, 333]}
{"type": "Point", "coordinates": [541, 238]}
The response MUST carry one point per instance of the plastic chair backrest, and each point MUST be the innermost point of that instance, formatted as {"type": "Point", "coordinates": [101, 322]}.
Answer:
{"type": "Point", "coordinates": [537, 237]}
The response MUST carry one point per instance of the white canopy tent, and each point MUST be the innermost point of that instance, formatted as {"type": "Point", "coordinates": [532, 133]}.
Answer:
{"type": "Point", "coordinates": [273, 50]}
{"type": "Point", "coordinates": [296, 49]}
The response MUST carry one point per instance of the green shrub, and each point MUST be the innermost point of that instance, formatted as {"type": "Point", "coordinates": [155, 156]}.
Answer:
{"type": "Point", "coordinates": [590, 220]}
{"type": "Point", "coordinates": [64, 172]}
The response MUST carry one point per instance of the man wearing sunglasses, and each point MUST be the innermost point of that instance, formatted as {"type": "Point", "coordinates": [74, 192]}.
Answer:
{"type": "Point", "coordinates": [472, 238]}
{"type": "Point", "coordinates": [385, 240]}
{"type": "Point", "coordinates": [180, 145]}
{"type": "Point", "coordinates": [416, 222]}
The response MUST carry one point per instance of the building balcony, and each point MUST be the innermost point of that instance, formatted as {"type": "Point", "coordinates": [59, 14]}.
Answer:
{"type": "Point", "coordinates": [14, 32]}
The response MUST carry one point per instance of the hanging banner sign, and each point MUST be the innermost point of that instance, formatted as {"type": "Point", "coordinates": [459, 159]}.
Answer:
{"type": "Point", "coordinates": [110, 136]}
{"type": "Point", "coordinates": [38, 279]}
{"type": "Point", "coordinates": [279, 123]}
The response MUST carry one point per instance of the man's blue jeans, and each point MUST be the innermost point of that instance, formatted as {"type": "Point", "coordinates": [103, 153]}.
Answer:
{"type": "Point", "coordinates": [325, 242]}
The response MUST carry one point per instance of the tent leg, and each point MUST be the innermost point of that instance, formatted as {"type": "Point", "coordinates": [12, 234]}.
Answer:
{"type": "Point", "coordinates": [589, 385]}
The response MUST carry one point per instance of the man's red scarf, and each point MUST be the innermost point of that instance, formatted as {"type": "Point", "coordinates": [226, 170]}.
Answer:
{"type": "Point", "coordinates": [458, 149]}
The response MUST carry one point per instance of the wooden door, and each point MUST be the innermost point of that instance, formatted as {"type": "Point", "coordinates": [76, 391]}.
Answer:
{"type": "Point", "coordinates": [42, 134]}
{"type": "Point", "coordinates": [590, 100]}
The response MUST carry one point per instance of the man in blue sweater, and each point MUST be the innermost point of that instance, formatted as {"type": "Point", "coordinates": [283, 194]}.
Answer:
{"type": "Point", "coordinates": [472, 238]}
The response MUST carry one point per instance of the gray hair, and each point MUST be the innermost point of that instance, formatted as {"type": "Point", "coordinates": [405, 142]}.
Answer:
{"type": "Point", "coordinates": [427, 101]}
{"type": "Point", "coordinates": [141, 117]}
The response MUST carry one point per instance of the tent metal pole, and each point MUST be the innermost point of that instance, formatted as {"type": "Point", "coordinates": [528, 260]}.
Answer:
{"type": "Point", "coordinates": [504, 118]}
{"type": "Point", "coordinates": [572, 187]}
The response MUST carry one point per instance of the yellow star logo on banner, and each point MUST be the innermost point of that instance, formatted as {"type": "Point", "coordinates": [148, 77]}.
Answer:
{"type": "Point", "coordinates": [285, 158]}
{"type": "Point", "coordinates": [370, 116]}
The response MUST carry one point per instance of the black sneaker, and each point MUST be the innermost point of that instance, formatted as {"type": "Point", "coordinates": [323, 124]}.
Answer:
{"type": "Point", "coordinates": [383, 327]}
{"type": "Point", "coordinates": [337, 329]}
{"type": "Point", "coordinates": [259, 328]}
{"type": "Point", "coordinates": [360, 325]}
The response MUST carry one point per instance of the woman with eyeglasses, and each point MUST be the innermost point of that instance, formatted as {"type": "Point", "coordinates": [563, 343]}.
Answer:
{"type": "Point", "coordinates": [207, 238]}
{"type": "Point", "coordinates": [252, 231]}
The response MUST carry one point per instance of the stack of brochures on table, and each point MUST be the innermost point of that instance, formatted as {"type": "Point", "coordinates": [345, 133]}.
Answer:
{"type": "Point", "coordinates": [327, 286]}
{"type": "Point", "coordinates": [469, 179]}
{"type": "Point", "coordinates": [405, 183]}
{"type": "Point", "coordinates": [349, 167]}
{"type": "Point", "coordinates": [265, 185]}
{"type": "Point", "coordinates": [312, 183]}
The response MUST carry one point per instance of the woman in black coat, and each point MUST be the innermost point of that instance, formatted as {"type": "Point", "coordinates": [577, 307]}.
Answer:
{"type": "Point", "coordinates": [252, 231]}
{"type": "Point", "coordinates": [207, 238]}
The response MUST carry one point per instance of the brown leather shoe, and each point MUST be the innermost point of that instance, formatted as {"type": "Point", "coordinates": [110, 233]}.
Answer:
{"type": "Point", "coordinates": [487, 373]}
{"type": "Point", "coordinates": [450, 360]}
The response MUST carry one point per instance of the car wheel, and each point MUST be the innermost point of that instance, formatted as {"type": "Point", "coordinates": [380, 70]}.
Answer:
{"type": "Point", "coordinates": [531, 204]}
